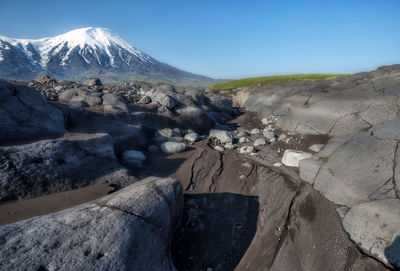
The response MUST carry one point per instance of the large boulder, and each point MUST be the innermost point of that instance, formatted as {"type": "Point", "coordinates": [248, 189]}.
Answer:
{"type": "Point", "coordinates": [25, 114]}
{"type": "Point", "coordinates": [127, 230]}
{"type": "Point", "coordinates": [92, 82]}
{"type": "Point", "coordinates": [164, 95]}
{"type": "Point", "coordinates": [195, 119]}
{"type": "Point", "coordinates": [114, 104]}
{"type": "Point", "coordinates": [359, 170]}
{"type": "Point", "coordinates": [291, 158]}
{"type": "Point", "coordinates": [125, 136]}
{"type": "Point", "coordinates": [173, 147]}
{"type": "Point", "coordinates": [89, 97]}
{"type": "Point", "coordinates": [56, 165]}
{"type": "Point", "coordinates": [375, 227]}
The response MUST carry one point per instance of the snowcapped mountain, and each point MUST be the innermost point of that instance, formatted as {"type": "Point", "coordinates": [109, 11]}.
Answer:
{"type": "Point", "coordinates": [92, 51]}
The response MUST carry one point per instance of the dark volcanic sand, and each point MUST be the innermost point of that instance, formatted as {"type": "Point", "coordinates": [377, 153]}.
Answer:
{"type": "Point", "coordinates": [19, 210]}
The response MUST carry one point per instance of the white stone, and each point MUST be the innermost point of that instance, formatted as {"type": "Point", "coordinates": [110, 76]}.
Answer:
{"type": "Point", "coordinates": [265, 121]}
{"type": "Point", "coordinates": [191, 137]}
{"type": "Point", "coordinates": [58, 88]}
{"type": "Point", "coordinates": [168, 132]}
{"type": "Point", "coordinates": [218, 148]}
{"type": "Point", "coordinates": [222, 135]}
{"type": "Point", "coordinates": [259, 142]}
{"type": "Point", "coordinates": [246, 149]}
{"type": "Point", "coordinates": [173, 147]}
{"type": "Point", "coordinates": [291, 158]}
{"type": "Point", "coordinates": [255, 131]}
{"type": "Point", "coordinates": [229, 146]}
{"type": "Point", "coordinates": [268, 134]}
{"type": "Point", "coordinates": [243, 140]}
{"type": "Point", "coordinates": [282, 137]}
{"type": "Point", "coordinates": [278, 164]}
{"type": "Point", "coordinates": [316, 147]}
{"type": "Point", "coordinates": [242, 133]}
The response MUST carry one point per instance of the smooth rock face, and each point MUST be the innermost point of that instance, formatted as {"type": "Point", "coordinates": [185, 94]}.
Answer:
{"type": "Point", "coordinates": [291, 158]}
{"type": "Point", "coordinates": [173, 147]}
{"type": "Point", "coordinates": [24, 114]}
{"type": "Point", "coordinates": [309, 168]}
{"type": "Point", "coordinates": [375, 227]}
{"type": "Point", "coordinates": [222, 136]}
{"type": "Point", "coordinates": [127, 230]}
{"type": "Point", "coordinates": [359, 170]}
{"type": "Point", "coordinates": [50, 166]}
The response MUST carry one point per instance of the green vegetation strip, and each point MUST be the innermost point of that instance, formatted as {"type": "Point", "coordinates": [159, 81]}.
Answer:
{"type": "Point", "coordinates": [268, 80]}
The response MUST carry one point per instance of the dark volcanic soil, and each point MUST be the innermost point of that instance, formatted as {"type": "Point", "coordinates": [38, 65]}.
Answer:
{"type": "Point", "coordinates": [19, 210]}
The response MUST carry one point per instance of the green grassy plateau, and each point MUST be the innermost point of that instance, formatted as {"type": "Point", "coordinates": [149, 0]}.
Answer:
{"type": "Point", "coordinates": [267, 80]}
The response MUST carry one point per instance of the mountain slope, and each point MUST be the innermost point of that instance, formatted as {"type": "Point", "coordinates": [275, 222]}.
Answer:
{"type": "Point", "coordinates": [88, 51]}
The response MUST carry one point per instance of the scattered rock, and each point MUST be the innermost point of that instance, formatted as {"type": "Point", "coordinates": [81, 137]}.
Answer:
{"type": "Point", "coordinates": [222, 136]}
{"type": "Point", "coordinates": [229, 146]}
{"type": "Point", "coordinates": [246, 149]}
{"type": "Point", "coordinates": [81, 95]}
{"type": "Point", "coordinates": [92, 82]}
{"type": "Point", "coordinates": [244, 140]}
{"type": "Point", "coordinates": [242, 134]}
{"type": "Point", "coordinates": [255, 131]}
{"type": "Point", "coordinates": [218, 148]}
{"type": "Point", "coordinates": [191, 137]}
{"type": "Point", "coordinates": [268, 134]}
{"type": "Point", "coordinates": [173, 147]}
{"type": "Point", "coordinates": [145, 100]}
{"type": "Point", "coordinates": [44, 79]}
{"type": "Point", "coordinates": [282, 137]}
{"type": "Point", "coordinates": [259, 142]}
{"type": "Point", "coordinates": [291, 158]}
{"type": "Point", "coordinates": [168, 132]}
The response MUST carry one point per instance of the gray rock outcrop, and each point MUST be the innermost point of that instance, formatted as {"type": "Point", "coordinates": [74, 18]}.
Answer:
{"type": "Point", "coordinates": [127, 230]}
{"type": "Point", "coordinates": [25, 114]}
{"type": "Point", "coordinates": [56, 165]}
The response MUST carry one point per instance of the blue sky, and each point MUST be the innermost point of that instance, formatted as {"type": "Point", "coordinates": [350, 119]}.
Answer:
{"type": "Point", "coordinates": [230, 39]}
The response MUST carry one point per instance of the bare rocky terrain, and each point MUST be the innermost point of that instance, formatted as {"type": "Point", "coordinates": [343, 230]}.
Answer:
{"type": "Point", "coordinates": [139, 176]}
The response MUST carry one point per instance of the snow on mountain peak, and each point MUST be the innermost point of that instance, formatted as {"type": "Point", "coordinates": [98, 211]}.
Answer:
{"type": "Point", "coordinates": [96, 38]}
